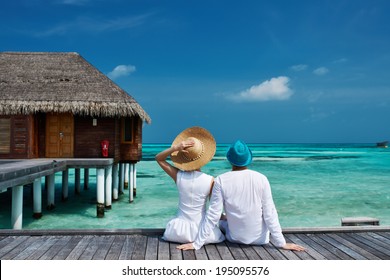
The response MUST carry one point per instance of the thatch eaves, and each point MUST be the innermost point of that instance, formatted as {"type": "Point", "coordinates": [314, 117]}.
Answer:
{"type": "Point", "coordinates": [60, 82]}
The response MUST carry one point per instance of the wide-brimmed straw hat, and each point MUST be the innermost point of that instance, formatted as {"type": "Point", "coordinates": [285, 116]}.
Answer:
{"type": "Point", "coordinates": [197, 156]}
{"type": "Point", "coordinates": [239, 154]}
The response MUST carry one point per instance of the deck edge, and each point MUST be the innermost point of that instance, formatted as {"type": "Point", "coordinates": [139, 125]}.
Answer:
{"type": "Point", "coordinates": [160, 231]}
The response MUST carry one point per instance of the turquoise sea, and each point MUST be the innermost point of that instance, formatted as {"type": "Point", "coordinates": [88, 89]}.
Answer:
{"type": "Point", "coordinates": [313, 185]}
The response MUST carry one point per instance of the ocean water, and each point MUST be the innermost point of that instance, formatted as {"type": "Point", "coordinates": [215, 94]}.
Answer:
{"type": "Point", "coordinates": [313, 185]}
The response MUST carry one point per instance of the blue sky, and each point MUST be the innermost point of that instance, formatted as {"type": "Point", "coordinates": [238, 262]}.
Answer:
{"type": "Point", "coordinates": [261, 71]}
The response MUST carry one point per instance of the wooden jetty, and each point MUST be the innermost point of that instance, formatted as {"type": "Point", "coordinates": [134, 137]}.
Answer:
{"type": "Point", "coordinates": [359, 221]}
{"type": "Point", "coordinates": [111, 180]}
{"type": "Point", "coordinates": [342, 243]}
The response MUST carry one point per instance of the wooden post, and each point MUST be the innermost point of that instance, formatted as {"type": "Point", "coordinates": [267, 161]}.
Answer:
{"type": "Point", "coordinates": [115, 187]}
{"type": "Point", "coordinates": [17, 207]}
{"type": "Point", "coordinates": [77, 180]}
{"type": "Point", "coordinates": [121, 177]}
{"type": "Point", "coordinates": [126, 185]}
{"type": "Point", "coordinates": [86, 178]}
{"type": "Point", "coordinates": [100, 192]}
{"type": "Point", "coordinates": [131, 197]}
{"type": "Point", "coordinates": [50, 191]}
{"type": "Point", "coordinates": [108, 187]}
{"type": "Point", "coordinates": [65, 185]}
{"type": "Point", "coordinates": [135, 180]}
{"type": "Point", "coordinates": [37, 198]}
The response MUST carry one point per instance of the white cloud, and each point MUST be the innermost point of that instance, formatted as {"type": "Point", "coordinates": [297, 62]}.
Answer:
{"type": "Point", "coordinates": [299, 67]}
{"type": "Point", "coordinates": [273, 89]}
{"type": "Point", "coordinates": [120, 71]}
{"type": "Point", "coordinates": [321, 71]}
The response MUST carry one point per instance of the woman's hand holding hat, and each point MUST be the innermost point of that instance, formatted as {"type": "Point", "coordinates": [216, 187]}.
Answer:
{"type": "Point", "coordinates": [182, 146]}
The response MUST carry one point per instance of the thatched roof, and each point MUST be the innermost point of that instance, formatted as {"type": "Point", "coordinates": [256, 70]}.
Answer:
{"type": "Point", "coordinates": [60, 82]}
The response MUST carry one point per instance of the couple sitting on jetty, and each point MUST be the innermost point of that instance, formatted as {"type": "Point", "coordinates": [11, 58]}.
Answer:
{"type": "Point", "coordinates": [241, 207]}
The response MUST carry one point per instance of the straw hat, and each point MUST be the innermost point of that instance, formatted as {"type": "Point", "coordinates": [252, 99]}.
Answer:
{"type": "Point", "coordinates": [198, 155]}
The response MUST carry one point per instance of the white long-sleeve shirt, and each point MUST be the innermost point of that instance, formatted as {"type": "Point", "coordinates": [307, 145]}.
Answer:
{"type": "Point", "coordinates": [246, 198]}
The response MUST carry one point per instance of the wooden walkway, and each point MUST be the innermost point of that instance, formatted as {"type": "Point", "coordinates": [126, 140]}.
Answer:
{"type": "Point", "coordinates": [345, 243]}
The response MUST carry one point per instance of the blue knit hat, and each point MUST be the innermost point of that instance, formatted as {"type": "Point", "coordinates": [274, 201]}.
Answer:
{"type": "Point", "coordinates": [239, 154]}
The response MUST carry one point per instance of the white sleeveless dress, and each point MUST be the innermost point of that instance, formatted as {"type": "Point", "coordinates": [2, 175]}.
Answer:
{"type": "Point", "coordinates": [194, 190]}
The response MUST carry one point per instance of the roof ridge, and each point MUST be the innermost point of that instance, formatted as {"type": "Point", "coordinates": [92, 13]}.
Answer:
{"type": "Point", "coordinates": [39, 53]}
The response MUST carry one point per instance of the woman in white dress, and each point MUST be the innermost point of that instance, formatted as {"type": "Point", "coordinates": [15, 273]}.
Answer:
{"type": "Point", "coordinates": [191, 149]}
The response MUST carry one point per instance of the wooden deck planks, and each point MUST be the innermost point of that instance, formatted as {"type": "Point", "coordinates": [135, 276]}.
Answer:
{"type": "Point", "coordinates": [319, 246]}
{"type": "Point", "coordinates": [128, 248]}
{"type": "Point", "coordinates": [174, 253]}
{"type": "Point", "coordinates": [371, 247]}
{"type": "Point", "coordinates": [382, 239]}
{"type": "Point", "coordinates": [371, 238]}
{"type": "Point", "coordinates": [78, 250]}
{"type": "Point", "coordinates": [90, 249]}
{"type": "Point", "coordinates": [236, 250]}
{"type": "Point", "coordinates": [289, 255]}
{"type": "Point", "coordinates": [34, 250]}
{"type": "Point", "coordinates": [11, 246]}
{"type": "Point", "coordinates": [309, 251]}
{"type": "Point", "coordinates": [59, 243]}
{"type": "Point", "coordinates": [274, 252]}
{"type": "Point", "coordinates": [116, 248]}
{"type": "Point", "coordinates": [357, 249]}
{"type": "Point", "coordinates": [385, 234]}
{"type": "Point", "coordinates": [139, 247]}
{"type": "Point", "coordinates": [104, 244]}
{"type": "Point", "coordinates": [45, 246]}
{"type": "Point", "coordinates": [343, 247]}
{"type": "Point", "coordinates": [212, 252]}
{"type": "Point", "coordinates": [224, 251]}
{"type": "Point", "coordinates": [249, 252]}
{"type": "Point", "coordinates": [262, 253]}
{"type": "Point", "coordinates": [201, 254]}
{"type": "Point", "coordinates": [163, 250]}
{"type": "Point", "coordinates": [151, 248]}
{"type": "Point", "coordinates": [315, 250]}
{"type": "Point", "coordinates": [189, 255]}
{"type": "Point", "coordinates": [330, 247]}
{"type": "Point", "coordinates": [68, 248]}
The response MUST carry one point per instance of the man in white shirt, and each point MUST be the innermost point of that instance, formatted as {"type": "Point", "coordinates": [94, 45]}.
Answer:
{"type": "Point", "coordinates": [245, 195]}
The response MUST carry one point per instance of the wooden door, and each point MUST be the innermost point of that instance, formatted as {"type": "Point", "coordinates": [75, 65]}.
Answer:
{"type": "Point", "coordinates": [59, 135]}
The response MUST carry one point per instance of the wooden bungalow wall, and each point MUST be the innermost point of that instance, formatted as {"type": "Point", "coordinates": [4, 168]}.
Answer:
{"type": "Point", "coordinates": [87, 137]}
{"type": "Point", "coordinates": [28, 138]}
{"type": "Point", "coordinates": [132, 152]}
{"type": "Point", "coordinates": [23, 140]}
{"type": "Point", "coordinates": [40, 126]}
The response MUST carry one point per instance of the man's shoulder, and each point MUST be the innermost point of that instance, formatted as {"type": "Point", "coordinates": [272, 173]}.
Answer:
{"type": "Point", "coordinates": [245, 172]}
{"type": "Point", "coordinates": [224, 175]}
{"type": "Point", "coordinates": [258, 175]}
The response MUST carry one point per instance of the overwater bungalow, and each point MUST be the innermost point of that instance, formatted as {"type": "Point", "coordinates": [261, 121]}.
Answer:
{"type": "Point", "coordinates": [57, 111]}
{"type": "Point", "coordinates": [57, 105]}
